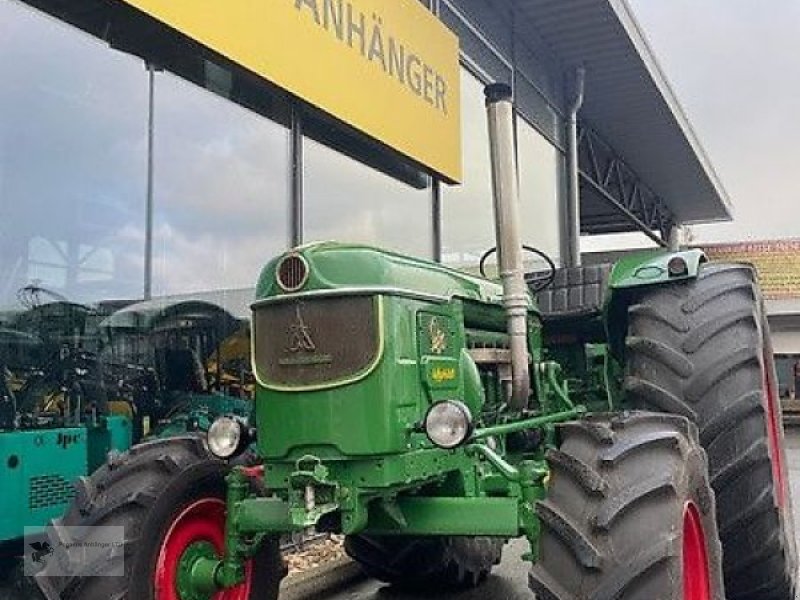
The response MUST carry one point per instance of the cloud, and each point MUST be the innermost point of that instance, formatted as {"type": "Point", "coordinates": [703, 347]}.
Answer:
{"type": "Point", "coordinates": [219, 167]}
{"type": "Point", "coordinates": [203, 262]}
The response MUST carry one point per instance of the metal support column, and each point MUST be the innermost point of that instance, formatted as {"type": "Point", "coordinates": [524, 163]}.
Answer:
{"type": "Point", "coordinates": [572, 257]}
{"type": "Point", "coordinates": [436, 210]}
{"type": "Point", "coordinates": [148, 227]}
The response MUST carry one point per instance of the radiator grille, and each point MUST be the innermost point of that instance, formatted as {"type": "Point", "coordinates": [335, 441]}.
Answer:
{"type": "Point", "coordinates": [49, 490]}
{"type": "Point", "coordinates": [316, 341]}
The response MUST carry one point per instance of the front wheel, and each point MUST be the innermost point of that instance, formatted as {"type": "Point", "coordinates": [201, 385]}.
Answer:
{"type": "Point", "coordinates": [168, 495]}
{"type": "Point", "coordinates": [629, 513]}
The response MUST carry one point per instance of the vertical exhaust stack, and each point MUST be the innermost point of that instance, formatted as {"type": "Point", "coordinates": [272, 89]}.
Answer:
{"type": "Point", "coordinates": [509, 245]}
{"type": "Point", "coordinates": [573, 254]}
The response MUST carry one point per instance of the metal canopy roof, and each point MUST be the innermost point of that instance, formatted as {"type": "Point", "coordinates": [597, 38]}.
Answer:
{"type": "Point", "coordinates": [629, 101]}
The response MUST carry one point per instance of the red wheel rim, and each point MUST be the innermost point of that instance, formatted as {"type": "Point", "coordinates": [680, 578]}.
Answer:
{"type": "Point", "coordinates": [773, 428]}
{"type": "Point", "coordinates": [203, 521]}
{"type": "Point", "coordinates": [696, 581]}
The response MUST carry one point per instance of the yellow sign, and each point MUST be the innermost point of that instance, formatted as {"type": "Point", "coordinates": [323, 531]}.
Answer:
{"type": "Point", "coordinates": [389, 68]}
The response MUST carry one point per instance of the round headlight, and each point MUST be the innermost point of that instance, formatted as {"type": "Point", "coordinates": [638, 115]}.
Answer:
{"type": "Point", "coordinates": [448, 424]}
{"type": "Point", "coordinates": [225, 437]}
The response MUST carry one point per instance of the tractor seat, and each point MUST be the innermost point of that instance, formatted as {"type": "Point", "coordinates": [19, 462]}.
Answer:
{"type": "Point", "coordinates": [576, 293]}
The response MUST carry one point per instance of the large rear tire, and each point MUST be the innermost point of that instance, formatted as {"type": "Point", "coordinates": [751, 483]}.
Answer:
{"type": "Point", "coordinates": [167, 494]}
{"type": "Point", "coordinates": [417, 562]}
{"type": "Point", "coordinates": [629, 513]}
{"type": "Point", "coordinates": [702, 350]}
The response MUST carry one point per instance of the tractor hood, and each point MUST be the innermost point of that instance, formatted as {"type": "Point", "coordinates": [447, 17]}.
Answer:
{"type": "Point", "coordinates": [351, 267]}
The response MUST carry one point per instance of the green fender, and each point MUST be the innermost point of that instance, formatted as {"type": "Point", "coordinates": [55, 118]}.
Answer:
{"type": "Point", "coordinates": [637, 271]}
{"type": "Point", "coordinates": [652, 268]}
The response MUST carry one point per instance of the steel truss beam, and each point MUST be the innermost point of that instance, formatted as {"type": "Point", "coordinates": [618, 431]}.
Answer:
{"type": "Point", "coordinates": [602, 170]}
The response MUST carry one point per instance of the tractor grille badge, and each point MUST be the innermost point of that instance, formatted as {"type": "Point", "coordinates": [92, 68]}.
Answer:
{"type": "Point", "coordinates": [438, 336]}
{"type": "Point", "coordinates": [299, 336]}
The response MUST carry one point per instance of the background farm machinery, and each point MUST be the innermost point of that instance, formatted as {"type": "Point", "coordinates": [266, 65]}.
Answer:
{"type": "Point", "coordinates": [80, 384]}
{"type": "Point", "coordinates": [176, 366]}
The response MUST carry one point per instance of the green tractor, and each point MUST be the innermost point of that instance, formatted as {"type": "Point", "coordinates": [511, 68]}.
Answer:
{"type": "Point", "coordinates": [623, 419]}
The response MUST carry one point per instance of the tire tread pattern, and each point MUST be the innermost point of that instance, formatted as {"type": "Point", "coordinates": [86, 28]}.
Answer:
{"type": "Point", "coordinates": [623, 543]}
{"type": "Point", "coordinates": [125, 492]}
{"type": "Point", "coordinates": [717, 325]}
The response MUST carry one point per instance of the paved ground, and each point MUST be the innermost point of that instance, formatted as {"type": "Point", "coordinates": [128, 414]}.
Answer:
{"type": "Point", "coordinates": [509, 581]}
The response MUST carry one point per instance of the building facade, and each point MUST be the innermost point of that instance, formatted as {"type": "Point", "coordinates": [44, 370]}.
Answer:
{"type": "Point", "coordinates": [131, 170]}
{"type": "Point", "coordinates": [778, 265]}
{"type": "Point", "coordinates": [141, 171]}
{"type": "Point", "coordinates": [75, 171]}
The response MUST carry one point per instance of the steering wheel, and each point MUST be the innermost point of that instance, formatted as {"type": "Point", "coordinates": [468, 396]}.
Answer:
{"type": "Point", "coordinates": [536, 280]}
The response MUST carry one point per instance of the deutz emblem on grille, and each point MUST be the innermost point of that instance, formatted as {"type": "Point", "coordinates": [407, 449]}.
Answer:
{"type": "Point", "coordinates": [301, 346]}
{"type": "Point", "coordinates": [300, 336]}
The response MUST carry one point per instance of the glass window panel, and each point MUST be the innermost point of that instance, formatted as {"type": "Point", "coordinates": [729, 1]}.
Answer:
{"type": "Point", "coordinates": [221, 191]}
{"type": "Point", "coordinates": [73, 116]}
{"type": "Point", "coordinates": [540, 170]}
{"type": "Point", "coordinates": [348, 201]}
{"type": "Point", "coordinates": [787, 370]}
{"type": "Point", "coordinates": [73, 165]}
{"type": "Point", "coordinates": [537, 65]}
{"type": "Point", "coordinates": [467, 212]}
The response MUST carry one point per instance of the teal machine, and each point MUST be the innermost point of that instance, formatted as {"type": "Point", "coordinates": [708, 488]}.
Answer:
{"type": "Point", "coordinates": [55, 425]}
{"type": "Point", "coordinates": [39, 467]}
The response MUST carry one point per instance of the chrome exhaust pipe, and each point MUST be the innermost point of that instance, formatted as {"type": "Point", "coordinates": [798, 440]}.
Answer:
{"type": "Point", "coordinates": [500, 111]}
{"type": "Point", "coordinates": [573, 255]}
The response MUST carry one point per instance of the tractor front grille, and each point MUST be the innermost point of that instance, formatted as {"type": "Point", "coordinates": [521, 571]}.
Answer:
{"type": "Point", "coordinates": [316, 342]}
{"type": "Point", "coordinates": [49, 490]}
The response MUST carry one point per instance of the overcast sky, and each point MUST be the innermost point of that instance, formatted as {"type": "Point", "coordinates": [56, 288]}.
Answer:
{"type": "Point", "coordinates": [735, 67]}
